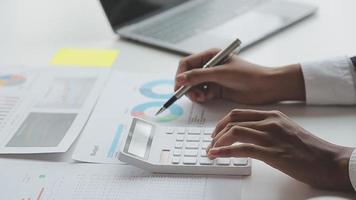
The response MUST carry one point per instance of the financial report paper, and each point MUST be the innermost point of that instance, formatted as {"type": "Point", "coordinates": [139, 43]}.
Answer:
{"type": "Point", "coordinates": [58, 181]}
{"type": "Point", "coordinates": [44, 110]}
{"type": "Point", "coordinates": [129, 95]}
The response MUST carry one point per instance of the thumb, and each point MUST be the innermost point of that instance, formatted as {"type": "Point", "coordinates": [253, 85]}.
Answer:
{"type": "Point", "coordinates": [198, 76]}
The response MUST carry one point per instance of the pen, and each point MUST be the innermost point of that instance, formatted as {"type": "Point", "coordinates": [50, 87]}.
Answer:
{"type": "Point", "coordinates": [218, 58]}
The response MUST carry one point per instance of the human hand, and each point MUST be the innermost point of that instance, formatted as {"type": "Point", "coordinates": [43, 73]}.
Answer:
{"type": "Point", "coordinates": [270, 136]}
{"type": "Point", "coordinates": [239, 80]}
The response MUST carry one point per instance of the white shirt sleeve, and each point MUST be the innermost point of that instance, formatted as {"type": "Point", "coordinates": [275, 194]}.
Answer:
{"type": "Point", "coordinates": [330, 82]}
{"type": "Point", "coordinates": [352, 169]}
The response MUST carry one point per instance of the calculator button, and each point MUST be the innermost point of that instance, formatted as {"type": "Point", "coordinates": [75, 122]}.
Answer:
{"type": "Point", "coordinates": [179, 145]}
{"type": "Point", "coordinates": [194, 131]}
{"type": "Point", "coordinates": [192, 145]}
{"type": "Point", "coordinates": [190, 160]}
{"type": "Point", "coordinates": [176, 160]}
{"type": "Point", "coordinates": [193, 138]}
{"type": "Point", "coordinates": [207, 138]}
{"type": "Point", "coordinates": [205, 145]}
{"type": "Point", "coordinates": [208, 131]}
{"type": "Point", "coordinates": [180, 137]}
{"type": "Point", "coordinates": [203, 153]}
{"type": "Point", "coordinates": [180, 130]}
{"type": "Point", "coordinates": [205, 161]}
{"type": "Point", "coordinates": [170, 131]}
{"type": "Point", "coordinates": [177, 152]}
{"type": "Point", "coordinates": [190, 152]}
{"type": "Point", "coordinates": [240, 161]}
{"type": "Point", "coordinates": [223, 161]}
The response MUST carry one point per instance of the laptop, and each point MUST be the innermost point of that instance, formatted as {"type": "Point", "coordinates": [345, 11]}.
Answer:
{"type": "Point", "coordinates": [190, 26]}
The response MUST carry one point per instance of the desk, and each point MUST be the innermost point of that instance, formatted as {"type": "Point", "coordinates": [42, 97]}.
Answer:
{"type": "Point", "coordinates": [32, 31]}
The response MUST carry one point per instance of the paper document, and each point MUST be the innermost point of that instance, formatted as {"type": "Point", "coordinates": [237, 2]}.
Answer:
{"type": "Point", "coordinates": [44, 110]}
{"type": "Point", "coordinates": [58, 181]}
{"type": "Point", "coordinates": [138, 95]}
{"type": "Point", "coordinates": [85, 57]}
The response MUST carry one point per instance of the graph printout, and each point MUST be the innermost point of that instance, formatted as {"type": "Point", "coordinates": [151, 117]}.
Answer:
{"type": "Point", "coordinates": [44, 110]}
{"type": "Point", "coordinates": [138, 95]}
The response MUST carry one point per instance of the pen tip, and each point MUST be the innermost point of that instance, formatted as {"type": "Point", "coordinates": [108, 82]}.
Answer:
{"type": "Point", "coordinates": [160, 111]}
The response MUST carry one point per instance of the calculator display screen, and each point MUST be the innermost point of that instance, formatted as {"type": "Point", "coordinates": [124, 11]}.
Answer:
{"type": "Point", "coordinates": [140, 139]}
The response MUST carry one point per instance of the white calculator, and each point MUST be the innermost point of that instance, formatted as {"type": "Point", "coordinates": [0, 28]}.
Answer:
{"type": "Point", "coordinates": [179, 150]}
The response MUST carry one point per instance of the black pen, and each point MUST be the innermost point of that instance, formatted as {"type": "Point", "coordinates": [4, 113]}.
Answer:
{"type": "Point", "coordinates": [218, 58]}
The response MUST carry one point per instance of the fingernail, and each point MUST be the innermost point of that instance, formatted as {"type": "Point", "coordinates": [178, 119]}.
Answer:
{"type": "Point", "coordinates": [181, 78]}
{"type": "Point", "coordinates": [213, 135]}
{"type": "Point", "coordinates": [213, 153]}
{"type": "Point", "coordinates": [208, 148]}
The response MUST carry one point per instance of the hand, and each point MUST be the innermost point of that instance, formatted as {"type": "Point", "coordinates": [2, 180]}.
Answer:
{"type": "Point", "coordinates": [272, 137]}
{"type": "Point", "coordinates": [239, 80]}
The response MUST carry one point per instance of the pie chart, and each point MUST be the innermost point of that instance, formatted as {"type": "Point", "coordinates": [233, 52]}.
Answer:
{"type": "Point", "coordinates": [147, 111]}
{"type": "Point", "coordinates": [11, 80]}
{"type": "Point", "coordinates": [157, 89]}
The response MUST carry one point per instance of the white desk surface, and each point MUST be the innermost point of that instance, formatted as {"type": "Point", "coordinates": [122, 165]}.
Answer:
{"type": "Point", "coordinates": [32, 31]}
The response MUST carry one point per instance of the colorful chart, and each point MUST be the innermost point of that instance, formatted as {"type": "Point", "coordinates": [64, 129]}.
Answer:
{"type": "Point", "coordinates": [147, 89]}
{"type": "Point", "coordinates": [142, 111]}
{"type": "Point", "coordinates": [12, 80]}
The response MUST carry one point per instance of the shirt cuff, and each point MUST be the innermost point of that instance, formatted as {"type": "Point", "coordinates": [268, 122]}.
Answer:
{"type": "Point", "coordinates": [330, 81]}
{"type": "Point", "coordinates": [352, 169]}
{"type": "Point", "coordinates": [353, 60]}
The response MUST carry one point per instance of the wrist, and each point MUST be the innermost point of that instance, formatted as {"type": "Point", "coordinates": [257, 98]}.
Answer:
{"type": "Point", "coordinates": [287, 83]}
{"type": "Point", "coordinates": [341, 177]}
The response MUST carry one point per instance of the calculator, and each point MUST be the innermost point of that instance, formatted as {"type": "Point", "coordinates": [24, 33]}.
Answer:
{"type": "Point", "coordinates": [179, 150]}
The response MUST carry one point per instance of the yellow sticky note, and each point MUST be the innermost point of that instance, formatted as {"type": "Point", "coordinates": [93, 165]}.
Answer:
{"type": "Point", "coordinates": [85, 57]}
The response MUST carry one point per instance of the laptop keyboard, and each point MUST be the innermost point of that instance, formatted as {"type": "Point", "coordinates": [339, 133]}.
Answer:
{"type": "Point", "coordinates": [196, 19]}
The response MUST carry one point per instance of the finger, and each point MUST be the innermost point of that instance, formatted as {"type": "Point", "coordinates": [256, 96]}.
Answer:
{"type": "Point", "coordinates": [195, 95]}
{"type": "Point", "coordinates": [198, 76]}
{"type": "Point", "coordinates": [195, 61]}
{"type": "Point", "coordinates": [239, 115]}
{"type": "Point", "coordinates": [212, 92]}
{"type": "Point", "coordinates": [242, 150]}
{"type": "Point", "coordinates": [227, 128]}
{"type": "Point", "coordinates": [203, 94]}
{"type": "Point", "coordinates": [208, 92]}
{"type": "Point", "coordinates": [243, 135]}
{"type": "Point", "coordinates": [257, 125]}
{"type": "Point", "coordinates": [222, 132]}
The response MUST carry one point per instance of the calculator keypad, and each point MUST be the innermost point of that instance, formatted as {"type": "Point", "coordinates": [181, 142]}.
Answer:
{"type": "Point", "coordinates": [189, 160]}
{"type": "Point", "coordinates": [177, 152]}
{"type": "Point", "coordinates": [191, 152]}
{"type": "Point", "coordinates": [176, 160]}
{"type": "Point", "coordinates": [223, 161]}
{"type": "Point", "coordinates": [205, 161]}
{"type": "Point", "coordinates": [179, 145]}
{"type": "Point", "coordinates": [190, 148]}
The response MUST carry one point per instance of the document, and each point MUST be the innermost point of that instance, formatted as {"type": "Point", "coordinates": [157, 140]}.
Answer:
{"type": "Point", "coordinates": [58, 181]}
{"type": "Point", "coordinates": [85, 57]}
{"type": "Point", "coordinates": [138, 95]}
{"type": "Point", "coordinates": [44, 110]}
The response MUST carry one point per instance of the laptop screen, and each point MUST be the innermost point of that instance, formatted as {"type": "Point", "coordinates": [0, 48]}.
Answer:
{"type": "Point", "coordinates": [123, 12]}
